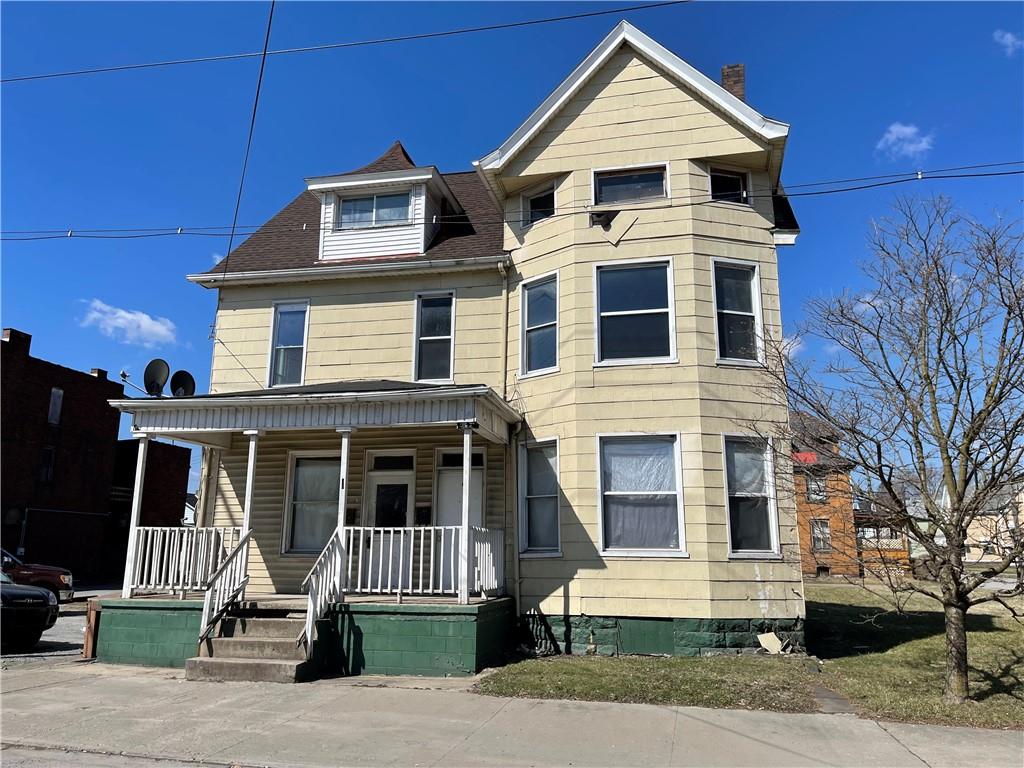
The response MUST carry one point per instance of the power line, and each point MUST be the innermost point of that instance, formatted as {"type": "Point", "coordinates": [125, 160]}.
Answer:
{"type": "Point", "coordinates": [336, 46]}
{"type": "Point", "coordinates": [678, 202]}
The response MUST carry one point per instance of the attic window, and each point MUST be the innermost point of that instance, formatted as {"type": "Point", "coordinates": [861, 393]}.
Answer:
{"type": "Point", "coordinates": [627, 186]}
{"type": "Point", "coordinates": [373, 211]}
{"type": "Point", "coordinates": [730, 186]}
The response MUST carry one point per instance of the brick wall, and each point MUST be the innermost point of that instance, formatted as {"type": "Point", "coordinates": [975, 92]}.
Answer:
{"type": "Point", "coordinates": [842, 559]}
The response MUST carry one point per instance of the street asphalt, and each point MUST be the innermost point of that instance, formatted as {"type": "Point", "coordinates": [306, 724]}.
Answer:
{"type": "Point", "coordinates": [57, 712]}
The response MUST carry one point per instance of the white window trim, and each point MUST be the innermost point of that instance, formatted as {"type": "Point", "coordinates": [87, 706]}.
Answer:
{"type": "Point", "coordinates": [528, 194]}
{"type": "Point", "coordinates": [775, 553]}
{"type": "Point", "coordinates": [438, 453]}
{"type": "Point", "coordinates": [666, 199]}
{"type": "Point", "coordinates": [747, 204]}
{"type": "Point", "coordinates": [673, 352]}
{"type": "Point", "coordinates": [679, 552]}
{"type": "Point", "coordinates": [409, 220]}
{"type": "Point", "coordinates": [524, 551]}
{"type": "Point", "coordinates": [366, 503]}
{"type": "Point", "coordinates": [523, 373]}
{"type": "Point", "coordinates": [755, 287]}
{"type": "Point", "coordinates": [416, 339]}
{"type": "Point", "coordinates": [273, 331]}
{"type": "Point", "coordinates": [286, 526]}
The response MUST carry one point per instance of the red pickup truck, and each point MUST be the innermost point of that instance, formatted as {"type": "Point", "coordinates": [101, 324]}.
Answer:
{"type": "Point", "coordinates": [57, 580]}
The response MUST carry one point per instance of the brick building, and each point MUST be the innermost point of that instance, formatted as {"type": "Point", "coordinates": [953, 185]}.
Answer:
{"type": "Point", "coordinates": [61, 463]}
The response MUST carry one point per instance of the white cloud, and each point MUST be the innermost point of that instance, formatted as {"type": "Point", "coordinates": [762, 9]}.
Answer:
{"type": "Point", "coordinates": [903, 140]}
{"type": "Point", "coordinates": [216, 257]}
{"type": "Point", "coordinates": [129, 326]}
{"type": "Point", "coordinates": [1010, 42]}
{"type": "Point", "coordinates": [792, 346]}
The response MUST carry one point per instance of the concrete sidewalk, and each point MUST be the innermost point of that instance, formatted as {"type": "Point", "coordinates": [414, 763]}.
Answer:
{"type": "Point", "coordinates": [103, 708]}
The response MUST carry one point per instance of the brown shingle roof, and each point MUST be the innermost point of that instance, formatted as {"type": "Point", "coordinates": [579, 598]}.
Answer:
{"type": "Point", "coordinates": [283, 244]}
{"type": "Point", "coordinates": [395, 158]}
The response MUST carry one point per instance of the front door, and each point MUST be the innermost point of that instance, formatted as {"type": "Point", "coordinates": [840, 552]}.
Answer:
{"type": "Point", "coordinates": [389, 506]}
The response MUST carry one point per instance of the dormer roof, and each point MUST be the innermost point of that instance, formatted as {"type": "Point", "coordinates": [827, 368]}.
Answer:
{"type": "Point", "coordinates": [395, 158]}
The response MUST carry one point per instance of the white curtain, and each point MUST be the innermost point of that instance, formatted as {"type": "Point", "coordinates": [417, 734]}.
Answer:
{"type": "Point", "coordinates": [639, 486]}
{"type": "Point", "coordinates": [745, 463]}
{"type": "Point", "coordinates": [314, 502]}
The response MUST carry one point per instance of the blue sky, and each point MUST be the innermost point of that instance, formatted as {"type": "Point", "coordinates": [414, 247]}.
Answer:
{"type": "Point", "coordinates": [164, 147]}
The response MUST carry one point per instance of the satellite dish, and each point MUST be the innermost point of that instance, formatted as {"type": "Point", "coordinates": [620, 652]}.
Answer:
{"type": "Point", "coordinates": [182, 384]}
{"type": "Point", "coordinates": [156, 376]}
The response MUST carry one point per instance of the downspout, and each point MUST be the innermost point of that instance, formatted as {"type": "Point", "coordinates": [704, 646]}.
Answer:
{"type": "Point", "coordinates": [511, 469]}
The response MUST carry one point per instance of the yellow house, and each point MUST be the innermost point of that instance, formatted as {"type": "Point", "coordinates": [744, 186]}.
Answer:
{"type": "Point", "coordinates": [440, 402]}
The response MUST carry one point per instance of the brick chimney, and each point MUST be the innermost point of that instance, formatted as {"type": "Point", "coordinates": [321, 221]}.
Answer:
{"type": "Point", "coordinates": [734, 80]}
{"type": "Point", "coordinates": [19, 340]}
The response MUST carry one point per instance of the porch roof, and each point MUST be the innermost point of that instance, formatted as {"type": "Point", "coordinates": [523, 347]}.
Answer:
{"type": "Point", "coordinates": [210, 419]}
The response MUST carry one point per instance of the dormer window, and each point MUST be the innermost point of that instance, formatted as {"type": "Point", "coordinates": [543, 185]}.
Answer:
{"type": "Point", "coordinates": [373, 211]}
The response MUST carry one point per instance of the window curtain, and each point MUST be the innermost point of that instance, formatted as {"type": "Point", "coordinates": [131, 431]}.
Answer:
{"type": "Point", "coordinates": [314, 502]}
{"type": "Point", "coordinates": [639, 486]}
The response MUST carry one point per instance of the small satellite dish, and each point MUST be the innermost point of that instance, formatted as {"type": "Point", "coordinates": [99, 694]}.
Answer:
{"type": "Point", "coordinates": [156, 376]}
{"type": "Point", "coordinates": [182, 384]}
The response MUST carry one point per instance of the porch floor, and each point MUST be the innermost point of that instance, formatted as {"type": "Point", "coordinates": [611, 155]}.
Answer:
{"type": "Point", "coordinates": [299, 601]}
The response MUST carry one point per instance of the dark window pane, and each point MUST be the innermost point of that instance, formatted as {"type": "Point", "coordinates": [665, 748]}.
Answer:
{"type": "Point", "coordinates": [622, 290]}
{"type": "Point", "coordinates": [748, 524]}
{"type": "Point", "coordinates": [734, 288]}
{"type": "Point", "coordinates": [435, 359]}
{"type": "Point", "coordinates": [541, 206]}
{"type": "Point", "coordinates": [392, 462]}
{"type": "Point", "coordinates": [287, 366]}
{"type": "Point", "coordinates": [729, 186]}
{"type": "Point", "coordinates": [541, 476]}
{"type": "Point", "coordinates": [541, 348]}
{"type": "Point", "coordinates": [391, 505]}
{"type": "Point", "coordinates": [542, 523]}
{"type": "Point", "coordinates": [392, 209]}
{"type": "Point", "coordinates": [541, 303]}
{"type": "Point", "coordinates": [736, 337]}
{"type": "Point", "coordinates": [641, 522]}
{"type": "Point", "coordinates": [620, 186]}
{"type": "Point", "coordinates": [436, 316]}
{"type": "Point", "coordinates": [635, 336]}
{"type": "Point", "coordinates": [449, 460]}
{"type": "Point", "coordinates": [291, 328]}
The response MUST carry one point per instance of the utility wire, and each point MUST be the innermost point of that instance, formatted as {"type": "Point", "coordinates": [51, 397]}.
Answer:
{"type": "Point", "coordinates": [336, 46]}
{"type": "Point", "coordinates": [679, 202]}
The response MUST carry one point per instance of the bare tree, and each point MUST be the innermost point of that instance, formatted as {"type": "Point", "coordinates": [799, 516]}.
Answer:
{"type": "Point", "coordinates": [925, 390]}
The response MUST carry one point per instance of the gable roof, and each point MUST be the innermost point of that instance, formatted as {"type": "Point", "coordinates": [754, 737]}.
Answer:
{"type": "Point", "coordinates": [290, 240]}
{"type": "Point", "coordinates": [624, 32]}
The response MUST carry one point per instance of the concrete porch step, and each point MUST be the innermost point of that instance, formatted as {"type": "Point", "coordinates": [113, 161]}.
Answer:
{"type": "Point", "coordinates": [201, 668]}
{"type": "Point", "coordinates": [247, 647]}
{"type": "Point", "coordinates": [260, 626]}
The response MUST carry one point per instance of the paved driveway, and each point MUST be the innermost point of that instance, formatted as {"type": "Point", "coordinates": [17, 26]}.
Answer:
{"type": "Point", "coordinates": [146, 713]}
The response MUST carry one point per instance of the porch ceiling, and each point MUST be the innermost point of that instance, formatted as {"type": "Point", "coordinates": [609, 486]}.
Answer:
{"type": "Point", "coordinates": [210, 419]}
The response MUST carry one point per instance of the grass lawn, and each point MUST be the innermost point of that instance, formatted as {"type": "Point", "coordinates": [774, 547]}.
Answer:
{"type": "Point", "coordinates": [889, 665]}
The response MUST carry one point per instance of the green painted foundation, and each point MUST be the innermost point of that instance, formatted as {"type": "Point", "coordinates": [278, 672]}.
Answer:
{"type": "Point", "coordinates": [415, 639]}
{"type": "Point", "coordinates": [154, 633]}
{"type": "Point", "coordinates": [611, 636]}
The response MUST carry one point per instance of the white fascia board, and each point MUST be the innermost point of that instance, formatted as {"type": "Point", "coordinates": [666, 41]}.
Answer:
{"type": "Point", "coordinates": [785, 236]}
{"type": "Point", "coordinates": [764, 127]}
{"type": "Point", "coordinates": [329, 271]}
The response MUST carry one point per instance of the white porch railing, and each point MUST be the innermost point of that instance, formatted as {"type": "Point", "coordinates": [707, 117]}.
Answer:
{"type": "Point", "coordinates": [487, 548]}
{"type": "Point", "coordinates": [324, 583]}
{"type": "Point", "coordinates": [420, 560]}
{"type": "Point", "coordinates": [227, 583]}
{"type": "Point", "coordinates": [868, 544]}
{"type": "Point", "coordinates": [179, 559]}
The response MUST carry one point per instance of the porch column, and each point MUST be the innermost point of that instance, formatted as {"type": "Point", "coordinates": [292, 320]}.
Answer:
{"type": "Point", "coordinates": [250, 479]}
{"type": "Point", "coordinates": [465, 563]}
{"type": "Point", "coordinates": [346, 439]}
{"type": "Point", "coordinates": [133, 523]}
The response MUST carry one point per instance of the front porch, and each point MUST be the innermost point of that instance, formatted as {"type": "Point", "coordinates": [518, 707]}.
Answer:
{"type": "Point", "coordinates": [341, 494]}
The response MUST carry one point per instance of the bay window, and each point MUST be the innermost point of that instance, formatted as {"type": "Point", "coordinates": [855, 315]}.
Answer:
{"type": "Point", "coordinates": [539, 349]}
{"type": "Point", "coordinates": [634, 306]}
{"type": "Point", "coordinates": [630, 185]}
{"type": "Point", "coordinates": [753, 528]}
{"type": "Point", "coordinates": [640, 494]}
{"type": "Point", "coordinates": [737, 307]}
{"type": "Point", "coordinates": [539, 498]}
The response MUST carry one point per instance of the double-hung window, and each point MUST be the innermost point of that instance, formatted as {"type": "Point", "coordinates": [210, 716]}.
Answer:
{"type": "Point", "coordinates": [373, 211]}
{"type": "Point", "coordinates": [539, 351]}
{"type": "Point", "coordinates": [817, 491]}
{"type": "Point", "coordinates": [313, 502]}
{"type": "Point", "coordinates": [634, 306]}
{"type": "Point", "coordinates": [288, 350]}
{"type": "Point", "coordinates": [748, 469]}
{"type": "Point", "coordinates": [730, 186]}
{"type": "Point", "coordinates": [435, 328]}
{"type": "Point", "coordinates": [737, 306]}
{"type": "Point", "coordinates": [821, 536]}
{"type": "Point", "coordinates": [539, 467]}
{"type": "Point", "coordinates": [631, 185]}
{"type": "Point", "coordinates": [641, 501]}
